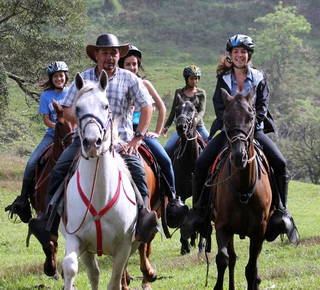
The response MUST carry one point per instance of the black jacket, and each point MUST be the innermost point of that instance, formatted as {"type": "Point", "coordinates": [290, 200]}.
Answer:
{"type": "Point", "coordinates": [261, 101]}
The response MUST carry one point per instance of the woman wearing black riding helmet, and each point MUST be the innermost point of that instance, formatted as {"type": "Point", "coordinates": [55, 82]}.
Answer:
{"type": "Point", "coordinates": [55, 87]}
{"type": "Point", "coordinates": [239, 77]}
{"type": "Point", "coordinates": [176, 211]}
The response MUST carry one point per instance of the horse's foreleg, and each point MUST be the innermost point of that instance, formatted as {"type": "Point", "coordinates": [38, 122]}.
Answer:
{"type": "Point", "coordinates": [222, 258]}
{"type": "Point", "coordinates": [70, 262]}
{"type": "Point", "coordinates": [232, 263]}
{"type": "Point", "coordinates": [252, 272]}
{"type": "Point", "coordinates": [120, 260]}
{"type": "Point", "coordinates": [92, 267]}
{"type": "Point", "coordinates": [50, 264]}
{"type": "Point", "coordinates": [149, 274]}
{"type": "Point", "coordinates": [70, 270]}
{"type": "Point", "coordinates": [185, 248]}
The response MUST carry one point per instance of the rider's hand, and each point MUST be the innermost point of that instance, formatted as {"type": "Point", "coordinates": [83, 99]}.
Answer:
{"type": "Point", "coordinates": [133, 145]}
{"type": "Point", "coordinates": [152, 135]}
{"type": "Point", "coordinates": [164, 132]}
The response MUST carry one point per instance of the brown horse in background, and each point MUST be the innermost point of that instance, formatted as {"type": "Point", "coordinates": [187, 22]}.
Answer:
{"type": "Point", "coordinates": [241, 192]}
{"type": "Point", "coordinates": [64, 131]}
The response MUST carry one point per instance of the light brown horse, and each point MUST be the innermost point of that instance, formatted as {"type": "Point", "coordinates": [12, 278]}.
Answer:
{"type": "Point", "coordinates": [64, 131]}
{"type": "Point", "coordinates": [241, 192]}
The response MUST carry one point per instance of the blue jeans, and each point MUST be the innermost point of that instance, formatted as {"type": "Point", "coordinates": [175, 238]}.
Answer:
{"type": "Point", "coordinates": [163, 160]}
{"type": "Point", "coordinates": [29, 171]}
{"type": "Point", "coordinates": [171, 143]}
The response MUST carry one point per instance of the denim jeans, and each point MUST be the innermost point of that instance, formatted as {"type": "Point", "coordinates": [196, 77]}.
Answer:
{"type": "Point", "coordinates": [29, 171]}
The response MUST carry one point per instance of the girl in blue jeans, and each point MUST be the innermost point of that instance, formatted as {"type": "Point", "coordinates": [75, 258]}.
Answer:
{"type": "Point", "coordinates": [54, 88]}
{"type": "Point", "coordinates": [132, 62]}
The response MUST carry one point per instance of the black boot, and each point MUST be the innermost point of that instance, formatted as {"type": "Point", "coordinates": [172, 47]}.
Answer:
{"type": "Point", "coordinates": [37, 227]}
{"type": "Point", "coordinates": [147, 224]}
{"type": "Point", "coordinates": [176, 212]}
{"type": "Point", "coordinates": [21, 205]}
{"type": "Point", "coordinates": [281, 222]}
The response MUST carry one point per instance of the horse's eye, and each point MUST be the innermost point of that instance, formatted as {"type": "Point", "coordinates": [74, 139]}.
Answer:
{"type": "Point", "coordinates": [106, 107]}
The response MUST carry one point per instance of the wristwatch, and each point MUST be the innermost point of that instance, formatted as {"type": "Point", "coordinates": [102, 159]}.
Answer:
{"type": "Point", "coordinates": [138, 134]}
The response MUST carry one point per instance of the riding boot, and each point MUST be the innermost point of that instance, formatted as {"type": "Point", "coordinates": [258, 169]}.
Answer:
{"type": "Point", "coordinates": [147, 223]}
{"type": "Point", "coordinates": [176, 211]}
{"type": "Point", "coordinates": [281, 222]}
{"type": "Point", "coordinates": [37, 227]}
{"type": "Point", "coordinates": [21, 205]}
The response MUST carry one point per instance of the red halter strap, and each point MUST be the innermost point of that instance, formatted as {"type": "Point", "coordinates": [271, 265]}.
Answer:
{"type": "Point", "coordinates": [97, 215]}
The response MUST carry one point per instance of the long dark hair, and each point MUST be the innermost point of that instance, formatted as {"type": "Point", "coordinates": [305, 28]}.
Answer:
{"type": "Point", "coordinates": [48, 84]}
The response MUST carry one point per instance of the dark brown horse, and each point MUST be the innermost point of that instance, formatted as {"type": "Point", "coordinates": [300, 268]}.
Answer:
{"type": "Point", "coordinates": [64, 131]}
{"type": "Point", "coordinates": [241, 192]}
{"type": "Point", "coordinates": [185, 154]}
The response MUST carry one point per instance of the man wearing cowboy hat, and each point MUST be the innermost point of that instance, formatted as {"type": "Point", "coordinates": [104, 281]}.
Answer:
{"type": "Point", "coordinates": [124, 89]}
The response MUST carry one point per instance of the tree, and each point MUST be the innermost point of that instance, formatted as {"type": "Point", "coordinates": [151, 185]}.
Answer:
{"type": "Point", "coordinates": [303, 148]}
{"type": "Point", "coordinates": [34, 33]}
{"type": "Point", "coordinates": [279, 40]}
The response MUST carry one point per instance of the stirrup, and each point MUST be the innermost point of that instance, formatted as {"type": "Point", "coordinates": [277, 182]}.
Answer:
{"type": "Point", "coordinates": [21, 207]}
{"type": "Point", "coordinates": [281, 222]}
{"type": "Point", "coordinates": [176, 212]}
{"type": "Point", "coordinates": [147, 225]}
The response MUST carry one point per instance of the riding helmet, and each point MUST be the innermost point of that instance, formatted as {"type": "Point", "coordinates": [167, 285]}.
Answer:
{"type": "Point", "coordinates": [240, 40]}
{"type": "Point", "coordinates": [133, 50]}
{"type": "Point", "coordinates": [57, 66]}
{"type": "Point", "coordinates": [191, 71]}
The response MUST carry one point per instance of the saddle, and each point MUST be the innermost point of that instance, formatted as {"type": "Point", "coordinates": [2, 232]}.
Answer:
{"type": "Point", "coordinates": [214, 169]}
{"type": "Point", "coordinates": [163, 184]}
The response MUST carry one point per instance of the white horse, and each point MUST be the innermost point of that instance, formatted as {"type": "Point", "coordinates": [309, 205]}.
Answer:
{"type": "Point", "coordinates": [101, 206]}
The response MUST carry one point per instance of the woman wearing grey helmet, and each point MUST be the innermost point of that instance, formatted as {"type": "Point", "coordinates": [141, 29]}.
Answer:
{"type": "Point", "coordinates": [237, 76]}
{"type": "Point", "coordinates": [192, 76]}
{"type": "Point", "coordinates": [55, 87]}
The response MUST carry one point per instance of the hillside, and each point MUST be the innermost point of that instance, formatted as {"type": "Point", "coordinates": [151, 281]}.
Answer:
{"type": "Point", "coordinates": [171, 35]}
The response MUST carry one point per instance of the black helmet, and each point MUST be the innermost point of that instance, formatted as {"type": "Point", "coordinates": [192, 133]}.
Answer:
{"type": "Point", "coordinates": [57, 66]}
{"type": "Point", "coordinates": [191, 71]}
{"type": "Point", "coordinates": [240, 40]}
{"type": "Point", "coordinates": [133, 50]}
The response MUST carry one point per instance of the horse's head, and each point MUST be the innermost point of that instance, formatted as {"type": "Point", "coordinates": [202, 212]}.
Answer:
{"type": "Point", "coordinates": [93, 115]}
{"type": "Point", "coordinates": [239, 122]}
{"type": "Point", "coordinates": [185, 113]}
{"type": "Point", "coordinates": [64, 129]}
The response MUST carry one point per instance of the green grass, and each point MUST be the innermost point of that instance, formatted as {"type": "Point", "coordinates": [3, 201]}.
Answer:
{"type": "Point", "coordinates": [282, 266]}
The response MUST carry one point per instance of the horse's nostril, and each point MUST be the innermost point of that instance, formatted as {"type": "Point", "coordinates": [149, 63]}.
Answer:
{"type": "Point", "coordinates": [99, 142]}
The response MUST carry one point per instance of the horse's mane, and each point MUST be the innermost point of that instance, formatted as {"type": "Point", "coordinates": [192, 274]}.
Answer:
{"type": "Point", "coordinates": [116, 140]}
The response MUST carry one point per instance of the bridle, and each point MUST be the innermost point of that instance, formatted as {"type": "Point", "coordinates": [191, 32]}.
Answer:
{"type": "Point", "coordinates": [242, 136]}
{"type": "Point", "coordinates": [189, 121]}
{"type": "Point", "coordinates": [103, 127]}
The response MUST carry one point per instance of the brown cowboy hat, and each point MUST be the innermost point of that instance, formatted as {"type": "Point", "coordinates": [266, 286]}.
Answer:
{"type": "Point", "coordinates": [107, 40]}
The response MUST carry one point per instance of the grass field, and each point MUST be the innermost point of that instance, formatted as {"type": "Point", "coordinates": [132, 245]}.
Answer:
{"type": "Point", "coordinates": [281, 265]}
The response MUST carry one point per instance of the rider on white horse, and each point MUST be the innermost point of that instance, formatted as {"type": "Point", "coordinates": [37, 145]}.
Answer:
{"type": "Point", "coordinates": [124, 89]}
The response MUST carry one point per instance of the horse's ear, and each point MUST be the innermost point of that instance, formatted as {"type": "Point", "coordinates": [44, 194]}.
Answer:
{"type": "Point", "coordinates": [79, 82]}
{"type": "Point", "coordinates": [57, 107]}
{"type": "Point", "coordinates": [225, 96]}
{"type": "Point", "coordinates": [251, 95]}
{"type": "Point", "coordinates": [103, 80]}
